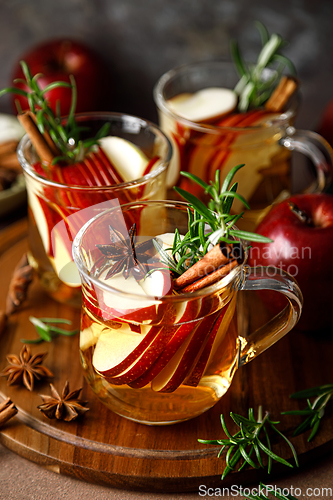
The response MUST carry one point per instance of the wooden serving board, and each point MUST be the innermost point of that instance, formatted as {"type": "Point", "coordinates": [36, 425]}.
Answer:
{"type": "Point", "coordinates": [104, 448]}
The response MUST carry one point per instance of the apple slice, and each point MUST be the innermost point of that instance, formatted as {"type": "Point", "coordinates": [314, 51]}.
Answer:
{"type": "Point", "coordinates": [180, 335]}
{"type": "Point", "coordinates": [157, 342]}
{"type": "Point", "coordinates": [90, 335]}
{"type": "Point", "coordinates": [216, 336]}
{"type": "Point", "coordinates": [128, 159]}
{"type": "Point", "coordinates": [206, 105]}
{"type": "Point", "coordinates": [174, 373]}
{"type": "Point", "coordinates": [127, 308]}
{"type": "Point", "coordinates": [158, 283]}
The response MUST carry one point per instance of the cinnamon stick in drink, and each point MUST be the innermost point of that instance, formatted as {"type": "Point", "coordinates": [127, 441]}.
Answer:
{"type": "Point", "coordinates": [211, 278]}
{"type": "Point", "coordinates": [281, 95]}
{"type": "Point", "coordinates": [215, 258]}
{"type": "Point", "coordinates": [42, 147]}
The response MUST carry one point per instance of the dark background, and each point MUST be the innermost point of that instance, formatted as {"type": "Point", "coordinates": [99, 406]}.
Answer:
{"type": "Point", "coordinates": [140, 39]}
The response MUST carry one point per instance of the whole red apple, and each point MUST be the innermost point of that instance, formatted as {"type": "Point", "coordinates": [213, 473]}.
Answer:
{"type": "Point", "coordinates": [302, 230]}
{"type": "Point", "coordinates": [56, 60]}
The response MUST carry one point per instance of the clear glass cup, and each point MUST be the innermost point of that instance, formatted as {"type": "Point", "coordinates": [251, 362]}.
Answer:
{"type": "Point", "coordinates": [159, 360]}
{"type": "Point", "coordinates": [263, 142]}
{"type": "Point", "coordinates": [56, 211]}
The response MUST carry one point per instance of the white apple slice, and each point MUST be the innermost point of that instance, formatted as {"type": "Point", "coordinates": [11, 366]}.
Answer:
{"type": "Point", "coordinates": [205, 105]}
{"type": "Point", "coordinates": [113, 347]}
{"type": "Point", "coordinates": [127, 307]}
{"type": "Point", "coordinates": [90, 335]}
{"type": "Point", "coordinates": [43, 225]}
{"type": "Point", "coordinates": [10, 128]}
{"type": "Point", "coordinates": [128, 159]}
{"type": "Point", "coordinates": [157, 284]}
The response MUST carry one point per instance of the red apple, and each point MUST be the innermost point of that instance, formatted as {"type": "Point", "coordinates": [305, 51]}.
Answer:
{"type": "Point", "coordinates": [325, 127]}
{"type": "Point", "coordinates": [302, 246]}
{"type": "Point", "coordinates": [56, 60]}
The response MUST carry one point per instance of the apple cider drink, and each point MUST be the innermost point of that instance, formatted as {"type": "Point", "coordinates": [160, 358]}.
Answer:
{"type": "Point", "coordinates": [220, 114]}
{"type": "Point", "coordinates": [74, 168]}
{"type": "Point", "coordinates": [159, 340]}
{"type": "Point", "coordinates": [127, 166]}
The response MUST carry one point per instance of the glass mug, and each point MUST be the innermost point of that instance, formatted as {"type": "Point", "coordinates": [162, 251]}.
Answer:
{"type": "Point", "coordinates": [57, 211]}
{"type": "Point", "coordinates": [162, 360]}
{"type": "Point", "coordinates": [262, 141]}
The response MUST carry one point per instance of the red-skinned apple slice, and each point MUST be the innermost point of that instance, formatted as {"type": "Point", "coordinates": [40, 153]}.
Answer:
{"type": "Point", "coordinates": [205, 105]}
{"type": "Point", "coordinates": [115, 352]}
{"type": "Point", "coordinates": [174, 373]}
{"type": "Point", "coordinates": [173, 345]}
{"type": "Point", "coordinates": [215, 337]}
{"type": "Point", "coordinates": [204, 154]}
{"type": "Point", "coordinates": [153, 351]}
{"type": "Point", "coordinates": [155, 342]}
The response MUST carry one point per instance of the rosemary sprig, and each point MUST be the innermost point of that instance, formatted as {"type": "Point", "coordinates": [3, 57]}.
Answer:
{"type": "Point", "coordinates": [315, 411]}
{"type": "Point", "coordinates": [47, 331]}
{"type": "Point", "coordinates": [66, 135]}
{"type": "Point", "coordinates": [256, 83]}
{"type": "Point", "coordinates": [248, 440]}
{"type": "Point", "coordinates": [208, 224]}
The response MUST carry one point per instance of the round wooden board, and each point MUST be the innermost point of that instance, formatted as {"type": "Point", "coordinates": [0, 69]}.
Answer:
{"type": "Point", "coordinates": [104, 448]}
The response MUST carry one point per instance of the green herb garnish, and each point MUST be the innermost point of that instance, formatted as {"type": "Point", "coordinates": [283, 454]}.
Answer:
{"type": "Point", "coordinates": [251, 439]}
{"type": "Point", "coordinates": [207, 225]}
{"type": "Point", "coordinates": [256, 83]}
{"type": "Point", "coordinates": [65, 134]}
{"type": "Point", "coordinates": [315, 411]}
{"type": "Point", "coordinates": [47, 331]}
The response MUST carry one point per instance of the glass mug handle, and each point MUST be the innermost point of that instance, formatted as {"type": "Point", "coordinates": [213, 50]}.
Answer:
{"type": "Point", "coordinates": [317, 149]}
{"type": "Point", "coordinates": [260, 278]}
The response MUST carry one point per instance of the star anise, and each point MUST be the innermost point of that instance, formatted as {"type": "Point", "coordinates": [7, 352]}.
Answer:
{"type": "Point", "coordinates": [25, 368]}
{"type": "Point", "coordinates": [66, 407]}
{"type": "Point", "coordinates": [127, 255]}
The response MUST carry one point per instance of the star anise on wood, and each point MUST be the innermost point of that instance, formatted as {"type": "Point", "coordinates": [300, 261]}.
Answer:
{"type": "Point", "coordinates": [25, 368]}
{"type": "Point", "coordinates": [127, 255]}
{"type": "Point", "coordinates": [66, 407]}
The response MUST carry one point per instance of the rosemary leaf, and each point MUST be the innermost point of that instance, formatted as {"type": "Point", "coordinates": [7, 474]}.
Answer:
{"type": "Point", "coordinates": [315, 411]}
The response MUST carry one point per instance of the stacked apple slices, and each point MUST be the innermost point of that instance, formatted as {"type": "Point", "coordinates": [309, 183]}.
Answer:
{"type": "Point", "coordinates": [113, 162]}
{"type": "Point", "coordinates": [202, 152]}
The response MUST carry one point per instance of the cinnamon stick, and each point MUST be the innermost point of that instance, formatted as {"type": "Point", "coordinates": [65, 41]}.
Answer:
{"type": "Point", "coordinates": [8, 147]}
{"type": "Point", "coordinates": [54, 149]}
{"type": "Point", "coordinates": [7, 411]}
{"type": "Point", "coordinates": [3, 321]}
{"type": "Point", "coordinates": [211, 278]}
{"type": "Point", "coordinates": [215, 258]}
{"type": "Point", "coordinates": [42, 147]}
{"type": "Point", "coordinates": [281, 95]}
{"type": "Point", "coordinates": [19, 284]}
